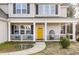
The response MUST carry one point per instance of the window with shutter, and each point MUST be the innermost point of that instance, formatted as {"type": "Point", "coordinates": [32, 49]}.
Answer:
{"type": "Point", "coordinates": [21, 8]}
{"type": "Point", "coordinates": [46, 9]}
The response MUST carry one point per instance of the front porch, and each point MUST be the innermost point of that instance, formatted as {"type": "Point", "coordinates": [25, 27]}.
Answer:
{"type": "Point", "coordinates": [52, 31]}
{"type": "Point", "coordinates": [57, 30]}
{"type": "Point", "coordinates": [21, 32]}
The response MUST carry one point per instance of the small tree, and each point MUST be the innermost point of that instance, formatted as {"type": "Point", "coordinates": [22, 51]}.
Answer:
{"type": "Point", "coordinates": [70, 11]}
{"type": "Point", "coordinates": [64, 42]}
{"type": "Point", "coordinates": [77, 39]}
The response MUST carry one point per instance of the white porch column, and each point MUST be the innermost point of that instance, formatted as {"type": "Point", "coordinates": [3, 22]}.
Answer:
{"type": "Point", "coordinates": [74, 31]}
{"type": "Point", "coordinates": [45, 31]}
{"type": "Point", "coordinates": [9, 30]}
{"type": "Point", "coordinates": [34, 31]}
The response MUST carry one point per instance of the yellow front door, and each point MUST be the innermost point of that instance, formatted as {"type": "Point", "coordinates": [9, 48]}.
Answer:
{"type": "Point", "coordinates": [40, 32]}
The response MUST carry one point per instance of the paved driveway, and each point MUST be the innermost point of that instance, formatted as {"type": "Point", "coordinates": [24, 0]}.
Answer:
{"type": "Point", "coordinates": [53, 48]}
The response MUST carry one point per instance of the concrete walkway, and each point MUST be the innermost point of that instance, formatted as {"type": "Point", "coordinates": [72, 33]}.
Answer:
{"type": "Point", "coordinates": [38, 46]}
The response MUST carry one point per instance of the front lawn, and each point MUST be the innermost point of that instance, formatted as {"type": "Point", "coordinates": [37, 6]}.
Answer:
{"type": "Point", "coordinates": [15, 46]}
{"type": "Point", "coordinates": [53, 48]}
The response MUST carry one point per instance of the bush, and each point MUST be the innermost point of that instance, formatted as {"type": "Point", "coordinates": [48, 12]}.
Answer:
{"type": "Point", "coordinates": [64, 42]}
{"type": "Point", "coordinates": [77, 39]}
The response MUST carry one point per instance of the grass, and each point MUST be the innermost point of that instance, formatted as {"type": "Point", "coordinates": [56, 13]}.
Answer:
{"type": "Point", "coordinates": [53, 48]}
{"type": "Point", "coordinates": [14, 46]}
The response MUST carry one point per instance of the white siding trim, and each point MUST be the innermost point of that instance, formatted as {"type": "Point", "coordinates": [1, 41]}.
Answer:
{"type": "Point", "coordinates": [74, 32]}
{"type": "Point", "coordinates": [45, 31]}
{"type": "Point", "coordinates": [34, 36]}
{"type": "Point", "coordinates": [9, 30]}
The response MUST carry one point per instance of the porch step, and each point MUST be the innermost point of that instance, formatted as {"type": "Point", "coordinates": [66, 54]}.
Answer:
{"type": "Point", "coordinates": [40, 40]}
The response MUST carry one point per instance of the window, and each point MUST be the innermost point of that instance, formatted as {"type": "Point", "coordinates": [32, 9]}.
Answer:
{"type": "Point", "coordinates": [63, 29]}
{"type": "Point", "coordinates": [12, 29]}
{"type": "Point", "coordinates": [28, 29]}
{"type": "Point", "coordinates": [41, 9]}
{"type": "Point", "coordinates": [69, 28]}
{"type": "Point", "coordinates": [52, 9]}
{"type": "Point", "coordinates": [18, 8]}
{"type": "Point", "coordinates": [21, 29]}
{"type": "Point", "coordinates": [32, 29]}
{"type": "Point", "coordinates": [22, 32]}
{"type": "Point", "coordinates": [24, 8]}
{"type": "Point", "coordinates": [66, 29]}
{"type": "Point", "coordinates": [21, 8]}
{"type": "Point", "coordinates": [77, 29]}
{"type": "Point", "coordinates": [16, 29]}
{"type": "Point", "coordinates": [25, 29]}
{"type": "Point", "coordinates": [46, 9]}
{"type": "Point", "coordinates": [51, 32]}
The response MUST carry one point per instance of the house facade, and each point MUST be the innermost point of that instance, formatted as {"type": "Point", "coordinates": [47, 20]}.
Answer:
{"type": "Point", "coordinates": [36, 22]}
{"type": "Point", "coordinates": [76, 15]}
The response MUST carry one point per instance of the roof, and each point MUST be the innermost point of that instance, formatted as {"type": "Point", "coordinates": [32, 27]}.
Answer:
{"type": "Point", "coordinates": [49, 17]}
{"type": "Point", "coordinates": [65, 4]}
{"type": "Point", "coordinates": [3, 14]}
{"type": "Point", "coordinates": [3, 3]}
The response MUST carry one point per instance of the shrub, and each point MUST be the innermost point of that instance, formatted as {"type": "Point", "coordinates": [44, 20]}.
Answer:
{"type": "Point", "coordinates": [77, 39]}
{"type": "Point", "coordinates": [64, 42]}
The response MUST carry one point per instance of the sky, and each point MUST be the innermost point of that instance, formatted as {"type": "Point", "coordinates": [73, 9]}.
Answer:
{"type": "Point", "coordinates": [40, 1]}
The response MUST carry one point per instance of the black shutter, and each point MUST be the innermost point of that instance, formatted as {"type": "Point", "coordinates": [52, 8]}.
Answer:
{"type": "Point", "coordinates": [12, 29]}
{"type": "Point", "coordinates": [28, 8]}
{"type": "Point", "coordinates": [31, 29]}
{"type": "Point", "coordinates": [56, 9]}
{"type": "Point", "coordinates": [14, 8]}
{"type": "Point", "coordinates": [36, 9]}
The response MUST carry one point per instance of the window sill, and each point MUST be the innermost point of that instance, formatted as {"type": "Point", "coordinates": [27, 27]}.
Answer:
{"type": "Point", "coordinates": [46, 15]}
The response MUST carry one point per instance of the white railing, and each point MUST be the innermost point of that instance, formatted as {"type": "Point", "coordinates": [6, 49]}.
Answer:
{"type": "Point", "coordinates": [57, 37]}
{"type": "Point", "coordinates": [29, 37]}
{"type": "Point", "coordinates": [70, 36]}
{"type": "Point", "coordinates": [21, 37]}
